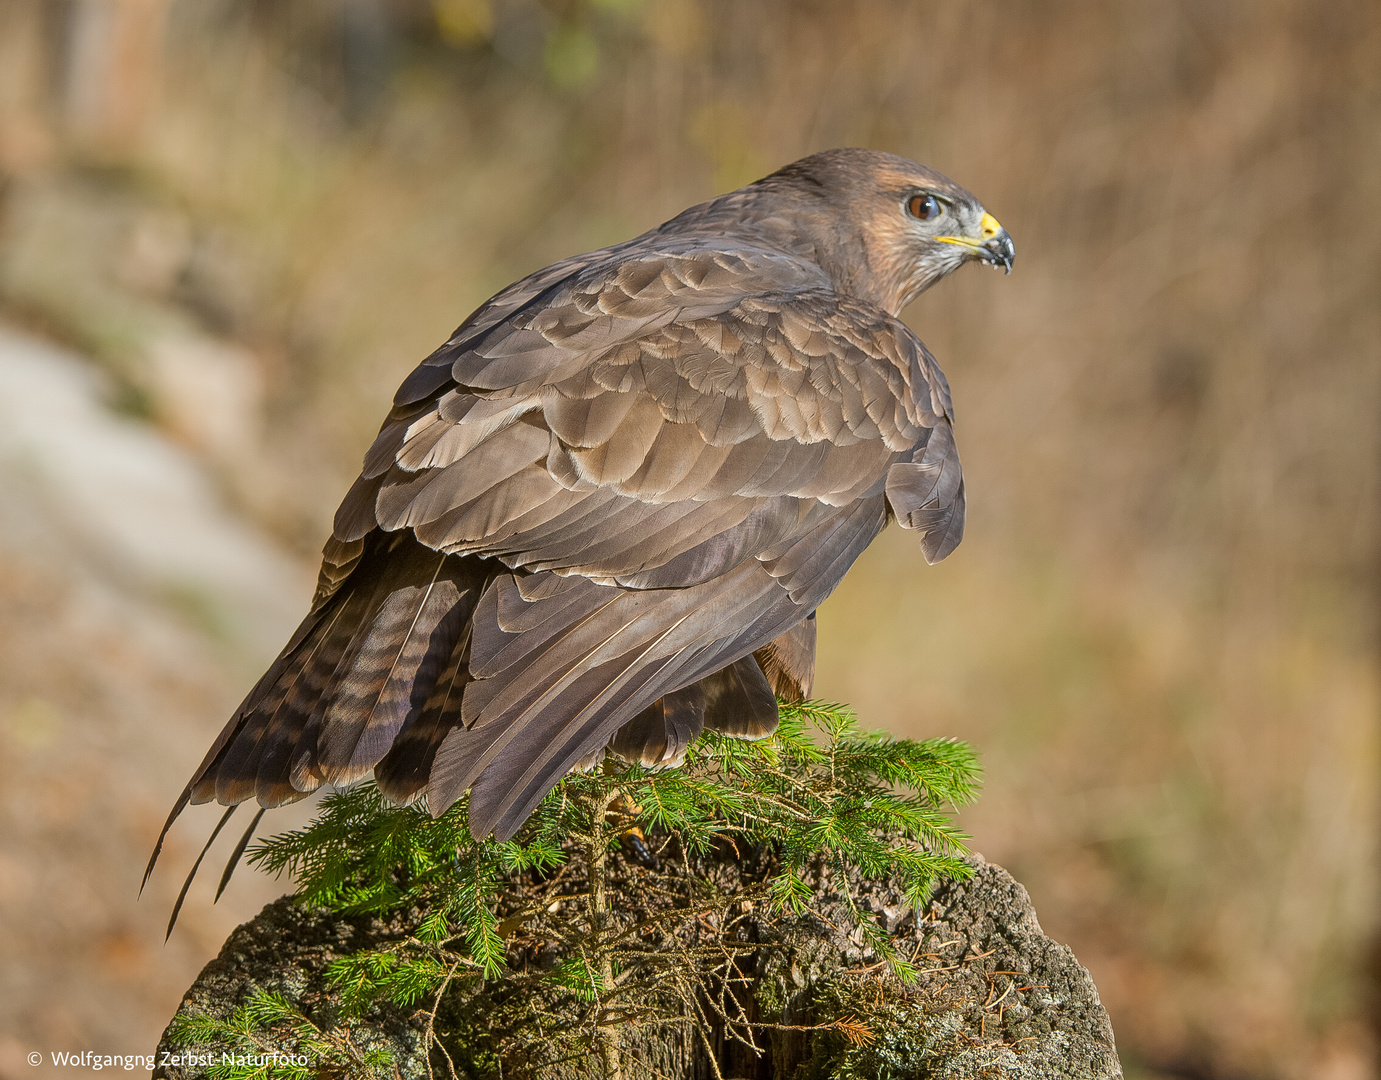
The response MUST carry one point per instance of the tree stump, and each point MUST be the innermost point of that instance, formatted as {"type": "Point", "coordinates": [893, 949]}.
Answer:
{"type": "Point", "coordinates": [995, 998]}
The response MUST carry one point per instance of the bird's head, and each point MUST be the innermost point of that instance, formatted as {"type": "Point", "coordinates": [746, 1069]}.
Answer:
{"type": "Point", "coordinates": [884, 228]}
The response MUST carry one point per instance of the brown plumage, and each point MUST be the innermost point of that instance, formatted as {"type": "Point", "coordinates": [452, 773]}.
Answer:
{"type": "Point", "coordinates": [602, 515]}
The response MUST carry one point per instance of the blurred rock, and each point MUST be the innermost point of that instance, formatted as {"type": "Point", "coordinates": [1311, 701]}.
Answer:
{"type": "Point", "coordinates": [129, 499]}
{"type": "Point", "coordinates": [209, 393]}
{"type": "Point", "coordinates": [126, 275]}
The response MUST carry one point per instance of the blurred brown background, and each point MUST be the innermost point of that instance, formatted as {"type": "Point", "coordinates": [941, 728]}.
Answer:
{"type": "Point", "coordinates": [229, 227]}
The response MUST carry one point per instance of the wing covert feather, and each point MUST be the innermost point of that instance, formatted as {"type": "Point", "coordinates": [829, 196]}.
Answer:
{"type": "Point", "coordinates": [682, 374]}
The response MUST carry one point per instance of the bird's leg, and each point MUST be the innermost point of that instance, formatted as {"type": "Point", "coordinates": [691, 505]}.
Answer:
{"type": "Point", "coordinates": [597, 858]}
{"type": "Point", "coordinates": [631, 838]}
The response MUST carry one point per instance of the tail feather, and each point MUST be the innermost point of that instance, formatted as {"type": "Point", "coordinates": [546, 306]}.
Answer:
{"type": "Point", "coordinates": [237, 771]}
{"type": "Point", "coordinates": [230, 768]}
{"type": "Point", "coordinates": [403, 772]}
{"type": "Point", "coordinates": [273, 784]}
{"type": "Point", "coordinates": [739, 701]}
{"type": "Point", "coordinates": [358, 739]}
{"type": "Point", "coordinates": [232, 727]}
{"type": "Point", "coordinates": [178, 807]}
{"type": "Point", "coordinates": [492, 808]}
{"type": "Point", "coordinates": [192, 873]}
{"type": "Point", "coordinates": [233, 777]}
{"type": "Point", "coordinates": [372, 685]}
{"type": "Point", "coordinates": [379, 609]}
{"type": "Point", "coordinates": [357, 673]}
{"type": "Point", "coordinates": [660, 734]}
{"type": "Point", "coordinates": [788, 661]}
{"type": "Point", "coordinates": [470, 752]}
{"type": "Point", "coordinates": [310, 695]}
{"type": "Point", "coordinates": [235, 855]}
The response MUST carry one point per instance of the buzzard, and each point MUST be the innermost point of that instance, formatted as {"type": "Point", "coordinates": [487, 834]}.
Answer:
{"type": "Point", "coordinates": [600, 518]}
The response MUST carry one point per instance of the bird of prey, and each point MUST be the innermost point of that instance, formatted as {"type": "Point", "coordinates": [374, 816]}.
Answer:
{"type": "Point", "coordinates": [600, 518]}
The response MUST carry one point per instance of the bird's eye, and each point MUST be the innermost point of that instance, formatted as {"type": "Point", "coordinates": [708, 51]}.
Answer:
{"type": "Point", "coordinates": [923, 207]}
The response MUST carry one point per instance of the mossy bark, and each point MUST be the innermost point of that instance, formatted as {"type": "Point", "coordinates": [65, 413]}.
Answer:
{"type": "Point", "coordinates": [995, 997]}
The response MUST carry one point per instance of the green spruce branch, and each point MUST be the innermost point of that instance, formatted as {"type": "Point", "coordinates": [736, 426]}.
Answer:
{"type": "Point", "coordinates": [614, 877]}
{"type": "Point", "coordinates": [266, 1038]}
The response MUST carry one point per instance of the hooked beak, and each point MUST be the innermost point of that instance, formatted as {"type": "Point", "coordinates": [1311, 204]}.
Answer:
{"type": "Point", "coordinates": [995, 248]}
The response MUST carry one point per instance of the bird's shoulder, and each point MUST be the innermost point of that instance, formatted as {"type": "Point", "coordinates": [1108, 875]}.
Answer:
{"type": "Point", "coordinates": [759, 312]}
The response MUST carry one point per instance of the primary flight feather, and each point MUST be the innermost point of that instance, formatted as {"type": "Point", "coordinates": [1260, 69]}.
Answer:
{"type": "Point", "coordinates": [600, 517]}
